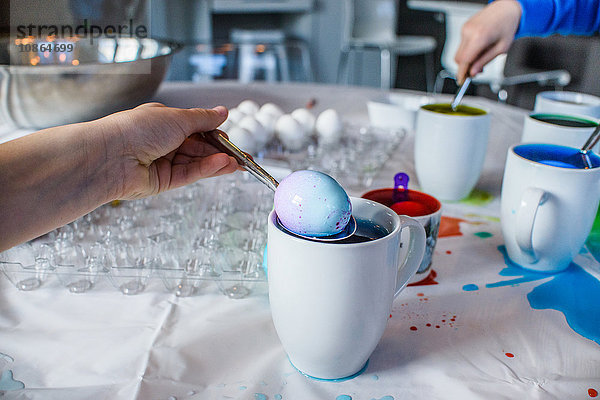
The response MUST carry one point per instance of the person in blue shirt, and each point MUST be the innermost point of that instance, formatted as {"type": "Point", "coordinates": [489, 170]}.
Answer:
{"type": "Point", "coordinates": [492, 30]}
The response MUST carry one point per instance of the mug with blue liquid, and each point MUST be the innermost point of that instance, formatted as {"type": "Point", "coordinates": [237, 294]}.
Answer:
{"type": "Point", "coordinates": [548, 204]}
{"type": "Point", "coordinates": [330, 301]}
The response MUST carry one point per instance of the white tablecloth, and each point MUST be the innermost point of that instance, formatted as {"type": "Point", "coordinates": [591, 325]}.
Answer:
{"type": "Point", "coordinates": [485, 329]}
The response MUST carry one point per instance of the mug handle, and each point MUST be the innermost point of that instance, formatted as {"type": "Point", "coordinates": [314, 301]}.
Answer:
{"type": "Point", "coordinates": [531, 200]}
{"type": "Point", "coordinates": [413, 258]}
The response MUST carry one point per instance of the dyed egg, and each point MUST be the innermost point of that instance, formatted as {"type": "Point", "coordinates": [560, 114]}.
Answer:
{"type": "Point", "coordinates": [271, 109]}
{"type": "Point", "coordinates": [290, 132]}
{"type": "Point", "coordinates": [312, 203]}
{"type": "Point", "coordinates": [243, 139]}
{"type": "Point", "coordinates": [329, 126]}
{"type": "Point", "coordinates": [261, 136]}
{"type": "Point", "coordinates": [305, 119]}
{"type": "Point", "coordinates": [248, 107]}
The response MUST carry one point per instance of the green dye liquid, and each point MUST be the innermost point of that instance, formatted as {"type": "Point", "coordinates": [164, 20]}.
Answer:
{"type": "Point", "coordinates": [461, 110]}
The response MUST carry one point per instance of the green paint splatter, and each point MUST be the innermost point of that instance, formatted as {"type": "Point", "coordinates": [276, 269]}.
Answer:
{"type": "Point", "coordinates": [478, 198]}
{"type": "Point", "coordinates": [483, 235]}
{"type": "Point", "coordinates": [593, 240]}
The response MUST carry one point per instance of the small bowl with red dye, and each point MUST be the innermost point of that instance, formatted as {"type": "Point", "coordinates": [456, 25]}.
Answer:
{"type": "Point", "coordinates": [424, 208]}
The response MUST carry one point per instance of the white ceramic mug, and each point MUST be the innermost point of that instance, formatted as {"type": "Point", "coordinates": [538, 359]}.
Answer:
{"type": "Point", "coordinates": [544, 128]}
{"type": "Point", "coordinates": [449, 151]}
{"type": "Point", "coordinates": [330, 302]}
{"type": "Point", "coordinates": [547, 211]}
{"type": "Point", "coordinates": [567, 103]}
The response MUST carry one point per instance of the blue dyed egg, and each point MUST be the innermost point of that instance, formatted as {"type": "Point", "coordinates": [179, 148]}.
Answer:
{"type": "Point", "coordinates": [312, 203]}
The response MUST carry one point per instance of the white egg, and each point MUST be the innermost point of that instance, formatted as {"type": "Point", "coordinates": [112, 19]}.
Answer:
{"type": "Point", "coordinates": [305, 118]}
{"type": "Point", "coordinates": [268, 121]}
{"type": "Point", "coordinates": [272, 109]}
{"type": "Point", "coordinates": [261, 136]}
{"type": "Point", "coordinates": [225, 126]}
{"type": "Point", "coordinates": [248, 107]}
{"type": "Point", "coordinates": [234, 116]}
{"type": "Point", "coordinates": [329, 126]}
{"type": "Point", "coordinates": [243, 139]}
{"type": "Point", "coordinates": [290, 132]}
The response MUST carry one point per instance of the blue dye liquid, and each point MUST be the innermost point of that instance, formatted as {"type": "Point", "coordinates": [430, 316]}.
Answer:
{"type": "Point", "coordinates": [556, 163]}
{"type": "Point", "coordinates": [573, 292]}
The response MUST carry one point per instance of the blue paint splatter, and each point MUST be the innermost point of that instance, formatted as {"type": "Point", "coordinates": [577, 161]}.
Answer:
{"type": "Point", "coordinates": [375, 377]}
{"type": "Point", "coordinates": [343, 397]}
{"type": "Point", "coordinates": [384, 398]}
{"type": "Point", "coordinates": [470, 287]}
{"type": "Point", "coordinates": [570, 292]}
{"type": "Point", "coordinates": [278, 397]}
{"type": "Point", "coordinates": [260, 396]}
{"type": "Point", "coordinates": [8, 383]}
{"type": "Point", "coordinates": [242, 387]}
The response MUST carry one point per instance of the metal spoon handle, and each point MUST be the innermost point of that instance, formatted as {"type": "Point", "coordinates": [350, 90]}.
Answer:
{"type": "Point", "coordinates": [223, 144]}
{"type": "Point", "coordinates": [461, 93]}
{"type": "Point", "coordinates": [592, 140]}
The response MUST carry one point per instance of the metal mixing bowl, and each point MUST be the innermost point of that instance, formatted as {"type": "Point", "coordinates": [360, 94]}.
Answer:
{"type": "Point", "coordinates": [53, 81]}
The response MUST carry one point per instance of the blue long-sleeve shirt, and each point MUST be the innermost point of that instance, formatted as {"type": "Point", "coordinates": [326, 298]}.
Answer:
{"type": "Point", "coordinates": [567, 17]}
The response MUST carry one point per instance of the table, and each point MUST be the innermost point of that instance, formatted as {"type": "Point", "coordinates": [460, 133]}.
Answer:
{"type": "Point", "coordinates": [480, 328]}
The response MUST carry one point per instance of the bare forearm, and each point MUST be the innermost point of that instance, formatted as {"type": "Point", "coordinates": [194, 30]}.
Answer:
{"type": "Point", "coordinates": [49, 179]}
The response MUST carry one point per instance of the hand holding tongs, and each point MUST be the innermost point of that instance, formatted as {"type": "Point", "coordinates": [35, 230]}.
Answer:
{"type": "Point", "coordinates": [218, 140]}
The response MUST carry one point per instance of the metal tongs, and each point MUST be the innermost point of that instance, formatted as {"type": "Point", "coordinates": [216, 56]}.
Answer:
{"type": "Point", "coordinates": [218, 140]}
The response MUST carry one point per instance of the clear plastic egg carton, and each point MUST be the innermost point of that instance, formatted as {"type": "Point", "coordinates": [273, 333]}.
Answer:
{"type": "Point", "coordinates": [354, 160]}
{"type": "Point", "coordinates": [211, 232]}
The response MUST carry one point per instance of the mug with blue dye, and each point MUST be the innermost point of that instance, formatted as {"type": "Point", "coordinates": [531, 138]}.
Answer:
{"type": "Point", "coordinates": [549, 199]}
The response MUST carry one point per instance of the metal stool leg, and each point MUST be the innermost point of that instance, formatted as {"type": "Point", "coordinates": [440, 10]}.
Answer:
{"type": "Point", "coordinates": [386, 69]}
{"type": "Point", "coordinates": [429, 71]}
{"type": "Point", "coordinates": [343, 66]}
{"type": "Point", "coordinates": [283, 62]}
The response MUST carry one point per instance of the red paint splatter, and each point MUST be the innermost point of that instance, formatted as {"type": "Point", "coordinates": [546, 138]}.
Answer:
{"type": "Point", "coordinates": [390, 315]}
{"type": "Point", "coordinates": [437, 326]}
{"type": "Point", "coordinates": [443, 320]}
{"type": "Point", "coordinates": [428, 280]}
{"type": "Point", "coordinates": [449, 226]}
{"type": "Point", "coordinates": [413, 328]}
{"type": "Point", "coordinates": [420, 294]}
{"type": "Point", "coordinates": [592, 392]}
{"type": "Point", "coordinates": [509, 355]}
{"type": "Point", "coordinates": [427, 324]}
{"type": "Point", "coordinates": [448, 252]}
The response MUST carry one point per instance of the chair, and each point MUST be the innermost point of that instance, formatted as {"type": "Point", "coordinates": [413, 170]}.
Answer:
{"type": "Point", "coordinates": [371, 25]}
{"type": "Point", "coordinates": [457, 13]}
{"type": "Point", "coordinates": [267, 51]}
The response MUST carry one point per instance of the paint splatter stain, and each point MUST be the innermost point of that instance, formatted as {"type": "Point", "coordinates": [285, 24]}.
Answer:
{"type": "Point", "coordinates": [260, 396]}
{"type": "Point", "coordinates": [450, 226]}
{"type": "Point", "coordinates": [343, 397]}
{"type": "Point", "coordinates": [428, 324]}
{"type": "Point", "coordinates": [471, 287]}
{"type": "Point", "coordinates": [592, 392]}
{"type": "Point", "coordinates": [429, 280]}
{"type": "Point", "coordinates": [413, 328]}
{"type": "Point", "coordinates": [483, 235]}
{"type": "Point", "coordinates": [569, 292]}
{"type": "Point", "coordinates": [478, 198]}
{"type": "Point", "coordinates": [242, 387]}
{"type": "Point", "coordinates": [509, 355]}
{"type": "Point", "coordinates": [278, 397]}
{"type": "Point", "coordinates": [384, 398]}
{"type": "Point", "coordinates": [8, 383]}
{"type": "Point", "coordinates": [448, 252]}
{"type": "Point", "coordinates": [374, 377]}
